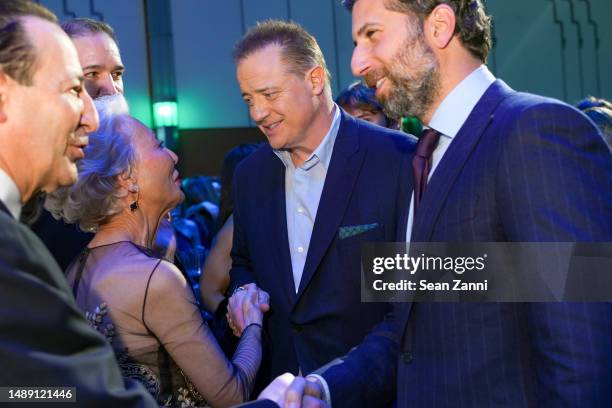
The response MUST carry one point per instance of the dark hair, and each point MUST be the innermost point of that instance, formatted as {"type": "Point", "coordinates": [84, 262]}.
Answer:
{"type": "Point", "coordinates": [300, 49]}
{"type": "Point", "coordinates": [17, 54]}
{"type": "Point", "coordinates": [80, 27]}
{"type": "Point", "coordinates": [358, 95]}
{"type": "Point", "coordinates": [473, 26]}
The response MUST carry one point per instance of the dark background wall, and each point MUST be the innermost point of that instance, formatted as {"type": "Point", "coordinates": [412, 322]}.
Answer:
{"type": "Point", "coordinates": [558, 48]}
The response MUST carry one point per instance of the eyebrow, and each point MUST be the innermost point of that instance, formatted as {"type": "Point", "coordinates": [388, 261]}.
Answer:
{"type": "Point", "coordinates": [79, 78]}
{"type": "Point", "coordinates": [364, 28]}
{"type": "Point", "coordinates": [97, 66]}
{"type": "Point", "coordinates": [261, 90]}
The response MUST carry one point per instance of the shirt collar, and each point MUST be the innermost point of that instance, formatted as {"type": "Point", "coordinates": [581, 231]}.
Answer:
{"type": "Point", "coordinates": [9, 194]}
{"type": "Point", "coordinates": [323, 152]}
{"type": "Point", "coordinates": [459, 103]}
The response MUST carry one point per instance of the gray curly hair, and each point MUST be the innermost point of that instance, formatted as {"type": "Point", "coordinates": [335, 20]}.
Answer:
{"type": "Point", "coordinates": [110, 153]}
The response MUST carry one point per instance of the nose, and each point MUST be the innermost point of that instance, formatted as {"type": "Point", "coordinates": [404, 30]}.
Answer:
{"type": "Point", "coordinates": [89, 118]}
{"type": "Point", "coordinates": [259, 112]}
{"type": "Point", "coordinates": [107, 85]}
{"type": "Point", "coordinates": [359, 62]}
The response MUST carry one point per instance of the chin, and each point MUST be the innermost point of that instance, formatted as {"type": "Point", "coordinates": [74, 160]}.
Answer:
{"type": "Point", "coordinates": [177, 198]}
{"type": "Point", "coordinates": [276, 142]}
{"type": "Point", "coordinates": [68, 178]}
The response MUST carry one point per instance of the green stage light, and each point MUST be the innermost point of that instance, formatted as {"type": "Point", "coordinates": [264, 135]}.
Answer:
{"type": "Point", "coordinates": [165, 114]}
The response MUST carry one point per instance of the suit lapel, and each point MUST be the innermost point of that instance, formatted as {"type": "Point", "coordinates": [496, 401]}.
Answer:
{"type": "Point", "coordinates": [276, 220]}
{"type": "Point", "coordinates": [3, 208]}
{"type": "Point", "coordinates": [339, 182]}
{"type": "Point", "coordinates": [454, 159]}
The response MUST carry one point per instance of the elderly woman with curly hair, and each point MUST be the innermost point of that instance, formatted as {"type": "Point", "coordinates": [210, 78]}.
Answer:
{"type": "Point", "coordinates": [141, 303]}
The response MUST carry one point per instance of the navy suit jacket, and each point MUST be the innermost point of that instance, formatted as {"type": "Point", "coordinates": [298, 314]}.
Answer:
{"type": "Point", "coordinates": [522, 168]}
{"type": "Point", "coordinates": [368, 183]}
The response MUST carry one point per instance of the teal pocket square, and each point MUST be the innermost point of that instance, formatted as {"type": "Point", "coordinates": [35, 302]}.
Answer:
{"type": "Point", "coordinates": [352, 230]}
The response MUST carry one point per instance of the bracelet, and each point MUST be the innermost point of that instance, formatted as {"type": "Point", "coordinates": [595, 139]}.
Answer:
{"type": "Point", "coordinates": [252, 324]}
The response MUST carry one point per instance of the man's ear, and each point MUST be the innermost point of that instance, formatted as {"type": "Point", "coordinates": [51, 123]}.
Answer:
{"type": "Point", "coordinates": [4, 90]}
{"type": "Point", "coordinates": [317, 78]}
{"type": "Point", "coordinates": [440, 26]}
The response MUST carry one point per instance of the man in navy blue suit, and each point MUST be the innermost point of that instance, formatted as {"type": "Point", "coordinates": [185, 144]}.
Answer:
{"type": "Point", "coordinates": [304, 203]}
{"type": "Point", "coordinates": [498, 165]}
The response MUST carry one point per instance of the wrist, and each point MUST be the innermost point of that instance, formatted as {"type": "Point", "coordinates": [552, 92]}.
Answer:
{"type": "Point", "coordinates": [248, 320]}
{"type": "Point", "coordinates": [254, 325]}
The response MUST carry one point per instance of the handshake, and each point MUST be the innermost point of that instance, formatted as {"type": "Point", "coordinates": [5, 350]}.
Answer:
{"type": "Point", "coordinates": [288, 391]}
{"type": "Point", "coordinates": [246, 307]}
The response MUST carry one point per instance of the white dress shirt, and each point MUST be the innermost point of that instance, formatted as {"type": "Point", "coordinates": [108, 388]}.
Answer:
{"type": "Point", "coordinates": [303, 188]}
{"type": "Point", "coordinates": [9, 194]}
{"type": "Point", "coordinates": [450, 117]}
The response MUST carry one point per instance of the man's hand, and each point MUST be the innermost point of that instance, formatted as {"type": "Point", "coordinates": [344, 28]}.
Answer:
{"type": "Point", "coordinates": [288, 391]}
{"type": "Point", "coordinates": [246, 306]}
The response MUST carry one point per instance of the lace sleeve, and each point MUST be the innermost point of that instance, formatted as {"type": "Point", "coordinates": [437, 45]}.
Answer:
{"type": "Point", "coordinates": [171, 314]}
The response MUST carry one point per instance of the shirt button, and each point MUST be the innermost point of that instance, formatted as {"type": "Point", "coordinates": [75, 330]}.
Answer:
{"type": "Point", "coordinates": [300, 210]}
{"type": "Point", "coordinates": [300, 249]}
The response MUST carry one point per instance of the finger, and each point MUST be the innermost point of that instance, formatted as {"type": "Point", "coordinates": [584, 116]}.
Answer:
{"type": "Point", "coordinates": [275, 391]}
{"type": "Point", "coordinates": [237, 308]}
{"type": "Point", "coordinates": [264, 300]}
{"type": "Point", "coordinates": [252, 293]}
{"type": "Point", "coordinates": [313, 388]}
{"type": "Point", "coordinates": [250, 299]}
{"type": "Point", "coordinates": [313, 402]}
{"type": "Point", "coordinates": [263, 296]}
{"type": "Point", "coordinates": [294, 393]}
{"type": "Point", "coordinates": [250, 286]}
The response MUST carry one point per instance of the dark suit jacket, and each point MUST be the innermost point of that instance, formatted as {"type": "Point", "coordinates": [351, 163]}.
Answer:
{"type": "Point", "coordinates": [44, 339]}
{"type": "Point", "coordinates": [367, 183]}
{"type": "Point", "coordinates": [522, 168]}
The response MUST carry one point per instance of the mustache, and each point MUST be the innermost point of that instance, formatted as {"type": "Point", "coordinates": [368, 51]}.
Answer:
{"type": "Point", "coordinates": [373, 76]}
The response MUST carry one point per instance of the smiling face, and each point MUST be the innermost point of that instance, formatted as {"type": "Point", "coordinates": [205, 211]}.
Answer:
{"type": "Point", "coordinates": [157, 178]}
{"type": "Point", "coordinates": [282, 104]}
{"type": "Point", "coordinates": [392, 56]}
{"type": "Point", "coordinates": [52, 117]}
{"type": "Point", "coordinates": [101, 62]}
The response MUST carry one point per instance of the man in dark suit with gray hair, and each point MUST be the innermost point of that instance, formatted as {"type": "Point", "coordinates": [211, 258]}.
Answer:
{"type": "Point", "coordinates": [305, 202]}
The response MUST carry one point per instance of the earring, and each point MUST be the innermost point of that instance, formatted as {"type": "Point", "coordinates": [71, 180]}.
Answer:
{"type": "Point", "coordinates": [134, 205]}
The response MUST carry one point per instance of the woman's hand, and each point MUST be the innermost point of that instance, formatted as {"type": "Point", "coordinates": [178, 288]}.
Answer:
{"type": "Point", "coordinates": [247, 306]}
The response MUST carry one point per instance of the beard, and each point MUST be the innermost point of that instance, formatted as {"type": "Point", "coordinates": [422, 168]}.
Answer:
{"type": "Point", "coordinates": [413, 79]}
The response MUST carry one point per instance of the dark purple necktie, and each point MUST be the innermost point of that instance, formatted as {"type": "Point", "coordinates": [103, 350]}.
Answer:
{"type": "Point", "coordinates": [421, 163]}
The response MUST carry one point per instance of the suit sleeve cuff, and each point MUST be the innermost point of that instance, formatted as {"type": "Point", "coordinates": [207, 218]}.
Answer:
{"type": "Point", "coordinates": [326, 393]}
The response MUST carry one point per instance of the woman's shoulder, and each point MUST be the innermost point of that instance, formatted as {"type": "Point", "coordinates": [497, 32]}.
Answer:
{"type": "Point", "coordinates": [167, 276]}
